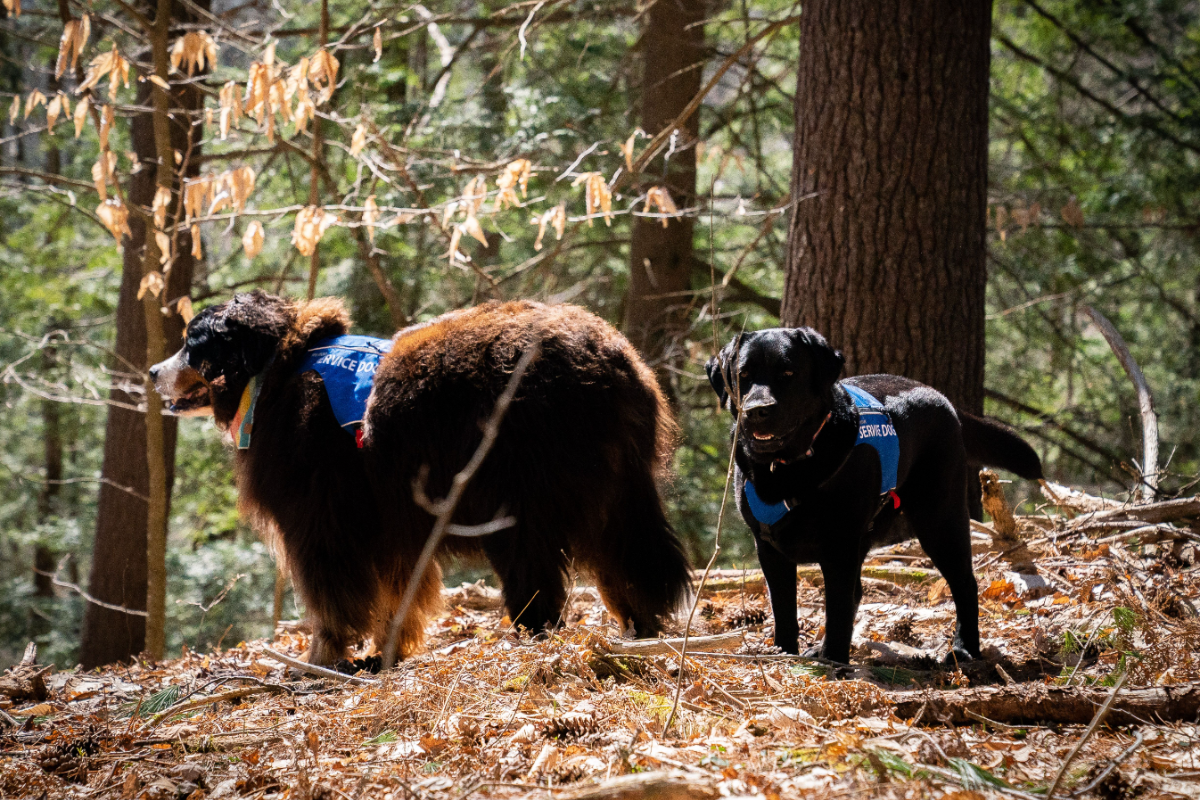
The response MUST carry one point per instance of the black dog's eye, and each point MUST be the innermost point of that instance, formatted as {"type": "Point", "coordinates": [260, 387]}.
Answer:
{"type": "Point", "coordinates": [787, 373]}
{"type": "Point", "coordinates": [744, 374]}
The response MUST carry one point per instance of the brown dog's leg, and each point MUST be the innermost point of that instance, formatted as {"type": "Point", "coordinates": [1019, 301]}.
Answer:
{"type": "Point", "coordinates": [426, 602]}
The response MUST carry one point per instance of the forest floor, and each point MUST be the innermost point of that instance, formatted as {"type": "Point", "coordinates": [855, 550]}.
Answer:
{"type": "Point", "coordinates": [1108, 625]}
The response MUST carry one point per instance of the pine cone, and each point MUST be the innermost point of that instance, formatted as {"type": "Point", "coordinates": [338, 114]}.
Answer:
{"type": "Point", "coordinates": [570, 725]}
{"type": "Point", "coordinates": [748, 618]}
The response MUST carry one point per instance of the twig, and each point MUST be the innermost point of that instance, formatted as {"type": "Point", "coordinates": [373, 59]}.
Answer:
{"type": "Point", "coordinates": [447, 506]}
{"type": "Point", "coordinates": [1145, 400]}
{"type": "Point", "coordinates": [320, 672]}
{"type": "Point", "coordinates": [1113, 764]}
{"type": "Point", "coordinates": [133, 612]}
{"type": "Point", "coordinates": [233, 694]}
{"type": "Point", "coordinates": [1087, 734]}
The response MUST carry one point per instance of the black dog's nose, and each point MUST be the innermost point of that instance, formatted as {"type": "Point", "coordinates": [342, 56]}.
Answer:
{"type": "Point", "coordinates": [757, 408]}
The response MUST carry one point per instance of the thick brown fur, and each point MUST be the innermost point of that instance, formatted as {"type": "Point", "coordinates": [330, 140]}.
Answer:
{"type": "Point", "coordinates": [576, 464]}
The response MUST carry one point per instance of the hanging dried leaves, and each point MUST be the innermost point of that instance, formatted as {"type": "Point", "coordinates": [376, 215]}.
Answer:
{"type": "Point", "coordinates": [515, 174]}
{"type": "Point", "coordinates": [322, 74]}
{"type": "Point", "coordinates": [194, 49]}
{"type": "Point", "coordinates": [370, 216]}
{"type": "Point", "coordinates": [311, 224]}
{"type": "Point", "coordinates": [184, 309]}
{"type": "Point", "coordinates": [358, 141]}
{"type": "Point", "coordinates": [106, 124]}
{"type": "Point", "coordinates": [115, 216]}
{"type": "Point", "coordinates": [35, 99]}
{"type": "Point", "coordinates": [13, 7]}
{"type": "Point", "coordinates": [163, 243]}
{"type": "Point", "coordinates": [230, 103]}
{"type": "Point", "coordinates": [153, 283]}
{"type": "Point", "coordinates": [111, 64]}
{"type": "Point", "coordinates": [210, 194]}
{"type": "Point", "coordinates": [627, 148]}
{"type": "Point", "coordinates": [1072, 214]}
{"type": "Point", "coordinates": [556, 218]}
{"type": "Point", "coordinates": [102, 172]}
{"type": "Point", "coordinates": [197, 247]}
{"type": "Point", "coordinates": [57, 106]}
{"type": "Point", "coordinates": [377, 42]}
{"type": "Point", "coordinates": [658, 197]}
{"type": "Point", "coordinates": [74, 37]}
{"type": "Point", "coordinates": [81, 113]}
{"type": "Point", "coordinates": [14, 110]}
{"type": "Point", "coordinates": [162, 202]}
{"type": "Point", "coordinates": [252, 239]}
{"type": "Point", "coordinates": [597, 196]}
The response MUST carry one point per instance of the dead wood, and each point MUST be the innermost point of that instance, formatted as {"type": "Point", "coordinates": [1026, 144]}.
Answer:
{"type": "Point", "coordinates": [1007, 538]}
{"type": "Point", "coordinates": [751, 580]}
{"type": "Point", "coordinates": [1030, 704]}
{"type": "Point", "coordinates": [670, 647]}
{"type": "Point", "coordinates": [646, 786]}
{"type": "Point", "coordinates": [1154, 513]}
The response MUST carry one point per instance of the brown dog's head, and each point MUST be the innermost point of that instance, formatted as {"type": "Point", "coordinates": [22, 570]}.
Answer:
{"type": "Point", "coordinates": [224, 347]}
{"type": "Point", "coordinates": [781, 381]}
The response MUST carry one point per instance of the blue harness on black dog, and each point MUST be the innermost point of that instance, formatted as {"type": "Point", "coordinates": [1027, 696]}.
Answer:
{"type": "Point", "coordinates": [875, 429]}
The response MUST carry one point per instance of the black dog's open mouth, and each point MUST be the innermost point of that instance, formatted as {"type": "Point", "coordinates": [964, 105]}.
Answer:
{"type": "Point", "coordinates": [770, 441]}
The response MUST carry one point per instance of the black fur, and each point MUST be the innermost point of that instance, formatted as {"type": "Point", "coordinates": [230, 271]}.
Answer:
{"type": "Point", "coordinates": [796, 442]}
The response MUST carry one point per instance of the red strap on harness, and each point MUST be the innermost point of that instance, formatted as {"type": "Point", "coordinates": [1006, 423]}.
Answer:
{"type": "Point", "coordinates": [892, 492]}
{"type": "Point", "coordinates": [358, 440]}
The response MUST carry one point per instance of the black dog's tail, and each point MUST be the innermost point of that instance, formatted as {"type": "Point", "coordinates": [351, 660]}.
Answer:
{"type": "Point", "coordinates": [997, 445]}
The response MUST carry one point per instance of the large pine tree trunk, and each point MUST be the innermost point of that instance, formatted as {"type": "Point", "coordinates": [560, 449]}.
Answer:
{"type": "Point", "coordinates": [119, 562]}
{"type": "Point", "coordinates": [887, 238]}
{"type": "Point", "coordinates": [660, 266]}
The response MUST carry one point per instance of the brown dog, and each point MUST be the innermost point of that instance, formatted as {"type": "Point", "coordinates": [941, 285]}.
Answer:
{"type": "Point", "coordinates": [575, 463]}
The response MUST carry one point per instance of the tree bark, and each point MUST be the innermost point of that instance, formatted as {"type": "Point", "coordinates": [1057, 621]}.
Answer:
{"type": "Point", "coordinates": [889, 181]}
{"type": "Point", "coordinates": [119, 556]}
{"type": "Point", "coordinates": [660, 266]}
{"type": "Point", "coordinates": [1035, 703]}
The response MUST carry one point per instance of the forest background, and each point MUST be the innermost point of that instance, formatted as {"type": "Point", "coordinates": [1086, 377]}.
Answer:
{"type": "Point", "coordinates": [417, 159]}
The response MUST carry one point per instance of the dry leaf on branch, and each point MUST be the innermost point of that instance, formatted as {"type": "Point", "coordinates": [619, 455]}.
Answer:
{"type": "Point", "coordinates": [81, 114]}
{"type": "Point", "coordinates": [597, 196]}
{"type": "Point", "coordinates": [322, 74]}
{"type": "Point", "coordinates": [311, 224]}
{"type": "Point", "coordinates": [14, 110]}
{"type": "Point", "coordinates": [370, 217]}
{"type": "Point", "coordinates": [514, 175]}
{"type": "Point", "coordinates": [197, 247]}
{"type": "Point", "coordinates": [555, 217]}
{"type": "Point", "coordinates": [13, 7]}
{"type": "Point", "coordinates": [471, 227]}
{"type": "Point", "coordinates": [359, 140]}
{"type": "Point", "coordinates": [1072, 214]}
{"type": "Point", "coordinates": [627, 148]}
{"type": "Point", "coordinates": [57, 106]}
{"type": "Point", "coordinates": [195, 49]}
{"type": "Point", "coordinates": [102, 172]}
{"type": "Point", "coordinates": [377, 43]}
{"type": "Point", "coordinates": [230, 102]}
{"type": "Point", "coordinates": [163, 243]}
{"type": "Point", "coordinates": [162, 202]}
{"type": "Point", "coordinates": [74, 37]}
{"type": "Point", "coordinates": [152, 282]}
{"type": "Point", "coordinates": [112, 64]}
{"type": "Point", "coordinates": [658, 197]}
{"type": "Point", "coordinates": [115, 216]}
{"type": "Point", "coordinates": [35, 99]}
{"type": "Point", "coordinates": [106, 124]}
{"type": "Point", "coordinates": [184, 309]}
{"type": "Point", "coordinates": [473, 196]}
{"type": "Point", "coordinates": [252, 239]}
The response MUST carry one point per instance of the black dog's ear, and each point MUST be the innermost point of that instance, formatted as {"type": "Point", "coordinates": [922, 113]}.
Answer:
{"type": "Point", "coordinates": [720, 370]}
{"type": "Point", "coordinates": [827, 362]}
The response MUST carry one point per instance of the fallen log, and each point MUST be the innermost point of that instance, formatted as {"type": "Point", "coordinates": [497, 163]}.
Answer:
{"type": "Point", "coordinates": [1031, 703]}
{"type": "Point", "coordinates": [669, 647]}
{"type": "Point", "coordinates": [751, 580]}
{"type": "Point", "coordinates": [646, 786]}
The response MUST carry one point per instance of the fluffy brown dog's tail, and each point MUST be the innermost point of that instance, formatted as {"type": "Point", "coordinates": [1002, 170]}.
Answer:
{"type": "Point", "coordinates": [997, 445]}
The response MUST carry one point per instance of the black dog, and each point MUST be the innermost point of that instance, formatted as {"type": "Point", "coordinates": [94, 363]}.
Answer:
{"type": "Point", "coordinates": [825, 467]}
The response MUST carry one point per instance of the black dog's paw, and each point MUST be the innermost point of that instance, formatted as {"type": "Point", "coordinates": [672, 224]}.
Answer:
{"type": "Point", "coordinates": [959, 655]}
{"type": "Point", "coordinates": [817, 651]}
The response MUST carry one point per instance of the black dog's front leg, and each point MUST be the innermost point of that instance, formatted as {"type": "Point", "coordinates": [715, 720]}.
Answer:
{"type": "Point", "coordinates": [780, 575]}
{"type": "Point", "coordinates": [843, 591]}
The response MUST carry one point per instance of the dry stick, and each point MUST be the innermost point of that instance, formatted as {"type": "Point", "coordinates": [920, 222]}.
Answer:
{"type": "Point", "coordinates": [1145, 401]}
{"type": "Point", "coordinates": [447, 506]}
{"type": "Point", "coordinates": [320, 672]}
{"type": "Point", "coordinates": [233, 694]}
{"type": "Point", "coordinates": [1112, 764]}
{"type": "Point", "coordinates": [1087, 734]}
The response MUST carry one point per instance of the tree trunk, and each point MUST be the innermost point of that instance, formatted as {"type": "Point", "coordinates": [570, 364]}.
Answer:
{"type": "Point", "coordinates": [119, 556]}
{"type": "Point", "coordinates": [889, 185]}
{"type": "Point", "coordinates": [660, 265]}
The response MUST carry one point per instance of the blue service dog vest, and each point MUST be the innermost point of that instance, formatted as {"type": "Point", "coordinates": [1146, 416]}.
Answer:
{"type": "Point", "coordinates": [874, 429]}
{"type": "Point", "coordinates": [347, 366]}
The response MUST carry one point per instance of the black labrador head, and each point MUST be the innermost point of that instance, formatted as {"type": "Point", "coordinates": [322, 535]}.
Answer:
{"type": "Point", "coordinates": [224, 347]}
{"type": "Point", "coordinates": [781, 380]}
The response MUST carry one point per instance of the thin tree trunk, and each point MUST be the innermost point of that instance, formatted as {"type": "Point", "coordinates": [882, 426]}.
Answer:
{"type": "Point", "coordinates": [126, 526]}
{"type": "Point", "coordinates": [889, 182]}
{"type": "Point", "coordinates": [660, 267]}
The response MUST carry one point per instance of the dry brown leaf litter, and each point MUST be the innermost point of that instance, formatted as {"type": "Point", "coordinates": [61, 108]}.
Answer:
{"type": "Point", "coordinates": [491, 712]}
